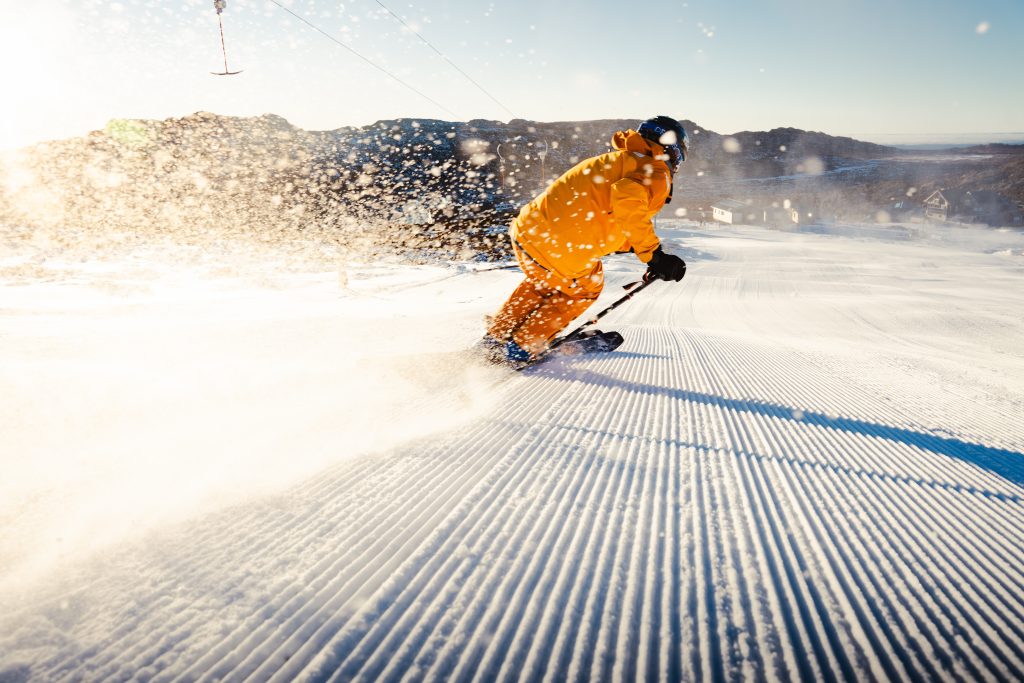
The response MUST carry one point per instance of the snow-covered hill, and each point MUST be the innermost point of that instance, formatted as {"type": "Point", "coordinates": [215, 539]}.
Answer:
{"type": "Point", "coordinates": [807, 461]}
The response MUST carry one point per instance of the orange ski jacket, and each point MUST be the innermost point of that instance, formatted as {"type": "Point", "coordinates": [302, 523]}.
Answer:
{"type": "Point", "coordinates": [603, 205]}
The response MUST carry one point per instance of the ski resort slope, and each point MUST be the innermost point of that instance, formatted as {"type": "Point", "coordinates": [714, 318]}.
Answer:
{"type": "Point", "coordinates": [806, 462]}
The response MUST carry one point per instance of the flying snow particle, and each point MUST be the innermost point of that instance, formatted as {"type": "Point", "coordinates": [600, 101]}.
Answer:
{"type": "Point", "coordinates": [798, 414]}
{"type": "Point", "coordinates": [115, 179]}
{"type": "Point", "coordinates": [474, 146]}
{"type": "Point", "coordinates": [813, 166]}
{"type": "Point", "coordinates": [680, 213]}
{"type": "Point", "coordinates": [481, 158]}
{"type": "Point", "coordinates": [731, 145]}
{"type": "Point", "coordinates": [982, 28]}
{"type": "Point", "coordinates": [668, 138]}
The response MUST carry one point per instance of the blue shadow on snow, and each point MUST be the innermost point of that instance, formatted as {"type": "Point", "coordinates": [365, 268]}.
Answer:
{"type": "Point", "coordinates": [1003, 462]}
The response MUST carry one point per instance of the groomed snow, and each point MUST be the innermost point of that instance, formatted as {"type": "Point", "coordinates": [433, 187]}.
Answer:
{"type": "Point", "coordinates": [807, 461]}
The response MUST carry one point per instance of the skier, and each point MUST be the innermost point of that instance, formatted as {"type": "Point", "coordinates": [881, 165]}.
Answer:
{"type": "Point", "coordinates": [603, 205]}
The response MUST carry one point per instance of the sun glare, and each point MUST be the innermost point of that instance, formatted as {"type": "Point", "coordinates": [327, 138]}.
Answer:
{"type": "Point", "coordinates": [36, 75]}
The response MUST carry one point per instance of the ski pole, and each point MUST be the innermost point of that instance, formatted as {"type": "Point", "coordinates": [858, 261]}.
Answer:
{"type": "Point", "coordinates": [575, 333]}
{"type": "Point", "coordinates": [507, 266]}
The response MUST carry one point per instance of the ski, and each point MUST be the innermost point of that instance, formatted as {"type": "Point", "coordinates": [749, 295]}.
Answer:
{"type": "Point", "coordinates": [591, 341]}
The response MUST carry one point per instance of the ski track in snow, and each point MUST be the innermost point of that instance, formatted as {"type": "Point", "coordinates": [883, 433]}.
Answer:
{"type": "Point", "coordinates": [806, 462]}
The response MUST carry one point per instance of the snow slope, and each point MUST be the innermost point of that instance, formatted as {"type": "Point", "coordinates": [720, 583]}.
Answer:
{"type": "Point", "coordinates": [807, 461]}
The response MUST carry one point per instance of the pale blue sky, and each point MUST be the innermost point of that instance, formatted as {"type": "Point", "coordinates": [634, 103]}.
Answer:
{"type": "Point", "coordinates": [916, 69]}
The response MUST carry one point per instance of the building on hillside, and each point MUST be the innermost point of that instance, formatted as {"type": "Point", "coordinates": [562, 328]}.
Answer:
{"type": "Point", "coordinates": [785, 216]}
{"type": "Point", "coordinates": [972, 206]}
{"type": "Point", "coordinates": [729, 211]}
{"type": "Point", "coordinates": [942, 204]}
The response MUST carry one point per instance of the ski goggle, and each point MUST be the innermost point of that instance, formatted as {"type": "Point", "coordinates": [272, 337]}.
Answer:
{"type": "Point", "coordinates": [677, 151]}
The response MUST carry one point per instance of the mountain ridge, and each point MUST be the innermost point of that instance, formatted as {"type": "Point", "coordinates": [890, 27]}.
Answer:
{"type": "Point", "coordinates": [410, 184]}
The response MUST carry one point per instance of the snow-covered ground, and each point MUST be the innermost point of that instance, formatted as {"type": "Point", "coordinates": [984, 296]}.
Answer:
{"type": "Point", "coordinates": [807, 461]}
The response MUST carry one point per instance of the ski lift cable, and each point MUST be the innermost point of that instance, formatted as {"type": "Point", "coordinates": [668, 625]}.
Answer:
{"type": "Point", "coordinates": [366, 59]}
{"type": "Point", "coordinates": [445, 58]}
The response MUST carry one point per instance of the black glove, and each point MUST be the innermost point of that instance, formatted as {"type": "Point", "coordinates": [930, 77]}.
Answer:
{"type": "Point", "coordinates": [664, 266]}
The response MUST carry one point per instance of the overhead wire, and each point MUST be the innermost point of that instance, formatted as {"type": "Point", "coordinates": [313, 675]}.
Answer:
{"type": "Point", "coordinates": [366, 59]}
{"type": "Point", "coordinates": [445, 58]}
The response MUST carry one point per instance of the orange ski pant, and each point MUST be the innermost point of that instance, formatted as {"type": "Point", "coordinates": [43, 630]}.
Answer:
{"type": "Point", "coordinates": [543, 304]}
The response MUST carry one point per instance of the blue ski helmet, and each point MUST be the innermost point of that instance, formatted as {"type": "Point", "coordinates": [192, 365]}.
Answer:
{"type": "Point", "coordinates": [671, 135]}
